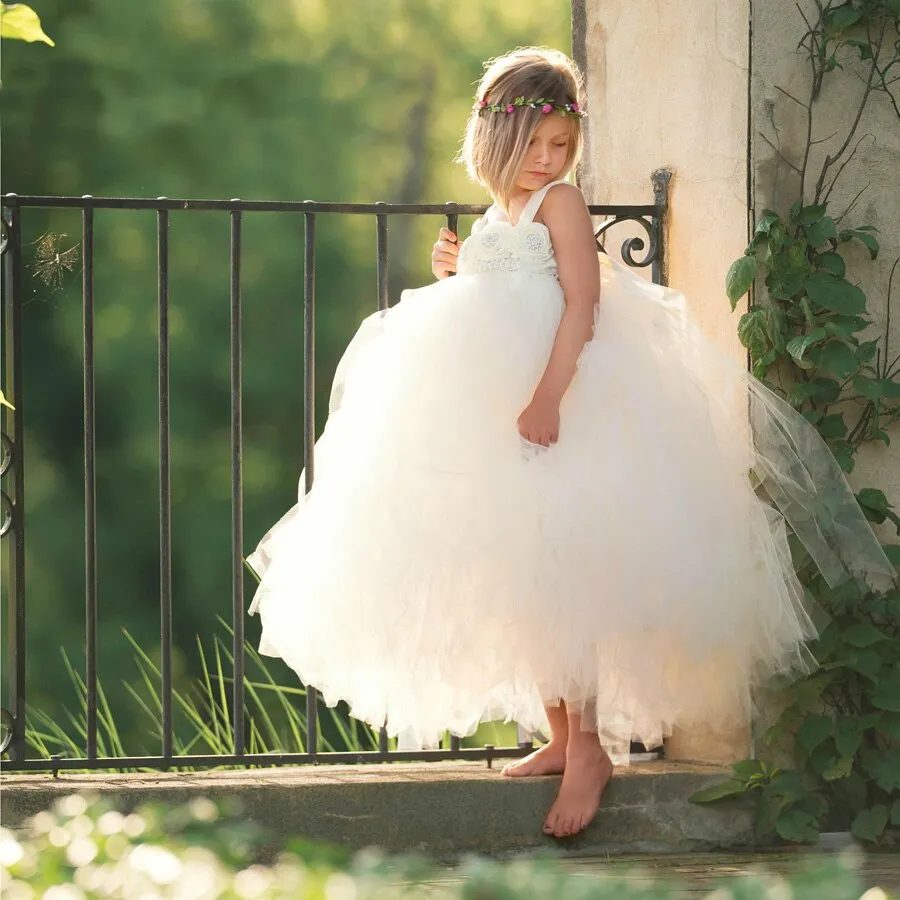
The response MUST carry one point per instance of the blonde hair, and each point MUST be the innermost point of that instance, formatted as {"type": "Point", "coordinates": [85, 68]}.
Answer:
{"type": "Point", "coordinates": [495, 143]}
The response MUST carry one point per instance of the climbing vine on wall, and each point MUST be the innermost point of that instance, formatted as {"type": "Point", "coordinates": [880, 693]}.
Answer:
{"type": "Point", "coordinates": [807, 332]}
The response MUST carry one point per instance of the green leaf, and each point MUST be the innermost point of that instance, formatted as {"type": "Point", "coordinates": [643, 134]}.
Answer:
{"type": "Point", "coordinates": [832, 262]}
{"type": "Point", "coordinates": [865, 352]}
{"type": "Point", "coordinates": [821, 232]}
{"type": "Point", "coordinates": [809, 215]}
{"type": "Point", "coordinates": [864, 237]}
{"type": "Point", "coordinates": [869, 824]}
{"type": "Point", "coordinates": [843, 453]}
{"type": "Point", "coordinates": [789, 270]}
{"type": "Point", "coordinates": [892, 552]}
{"type": "Point", "coordinates": [864, 634]}
{"type": "Point", "coordinates": [797, 826]}
{"type": "Point", "coordinates": [798, 346]}
{"type": "Point", "coordinates": [876, 389]}
{"type": "Point", "coordinates": [814, 730]}
{"type": "Point", "coordinates": [886, 770]}
{"type": "Point", "coordinates": [866, 662]}
{"type": "Point", "coordinates": [835, 294]}
{"type": "Point", "coordinates": [845, 16]}
{"type": "Point", "coordinates": [808, 693]}
{"type": "Point", "coordinates": [745, 769]}
{"type": "Point", "coordinates": [865, 49]}
{"type": "Point", "coordinates": [824, 757]}
{"type": "Point", "coordinates": [890, 724]}
{"type": "Point", "coordinates": [806, 390]}
{"type": "Point", "coordinates": [855, 790]}
{"type": "Point", "coordinates": [886, 694]}
{"type": "Point", "coordinates": [788, 720]}
{"type": "Point", "coordinates": [840, 769]}
{"type": "Point", "coordinates": [739, 278]}
{"type": "Point", "coordinates": [753, 333]}
{"type": "Point", "coordinates": [813, 416]}
{"type": "Point", "coordinates": [822, 390]}
{"type": "Point", "coordinates": [22, 23]}
{"type": "Point", "coordinates": [833, 427]}
{"type": "Point", "coordinates": [843, 596]}
{"type": "Point", "coordinates": [725, 789]}
{"type": "Point", "coordinates": [829, 389]}
{"type": "Point", "coordinates": [776, 328]}
{"type": "Point", "coordinates": [769, 218]}
{"type": "Point", "coordinates": [846, 326]}
{"type": "Point", "coordinates": [769, 807]}
{"type": "Point", "coordinates": [873, 499]}
{"type": "Point", "coordinates": [895, 812]}
{"type": "Point", "coordinates": [761, 366]}
{"type": "Point", "coordinates": [836, 358]}
{"type": "Point", "coordinates": [787, 784]}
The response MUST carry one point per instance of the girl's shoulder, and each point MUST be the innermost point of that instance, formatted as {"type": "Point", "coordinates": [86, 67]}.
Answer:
{"type": "Point", "coordinates": [563, 195]}
{"type": "Point", "coordinates": [562, 201]}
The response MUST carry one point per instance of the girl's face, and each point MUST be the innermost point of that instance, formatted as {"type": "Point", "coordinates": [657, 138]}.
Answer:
{"type": "Point", "coordinates": [546, 154]}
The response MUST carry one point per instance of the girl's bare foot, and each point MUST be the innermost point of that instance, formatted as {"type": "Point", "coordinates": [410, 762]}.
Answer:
{"type": "Point", "coordinates": [587, 771]}
{"type": "Point", "coordinates": [547, 760]}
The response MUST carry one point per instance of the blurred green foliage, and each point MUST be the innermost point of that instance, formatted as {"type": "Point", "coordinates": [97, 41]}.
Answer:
{"type": "Point", "coordinates": [83, 849]}
{"type": "Point", "coordinates": [288, 99]}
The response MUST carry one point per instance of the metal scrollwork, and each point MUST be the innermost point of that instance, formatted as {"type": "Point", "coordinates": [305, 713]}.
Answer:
{"type": "Point", "coordinates": [6, 504]}
{"type": "Point", "coordinates": [634, 244]}
{"type": "Point", "coordinates": [6, 509]}
{"type": "Point", "coordinates": [6, 453]}
{"type": "Point", "coordinates": [7, 728]}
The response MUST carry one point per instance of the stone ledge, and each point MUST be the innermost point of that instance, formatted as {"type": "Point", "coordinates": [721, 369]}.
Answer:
{"type": "Point", "coordinates": [440, 809]}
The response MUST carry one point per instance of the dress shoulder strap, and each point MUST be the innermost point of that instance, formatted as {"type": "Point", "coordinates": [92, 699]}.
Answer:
{"type": "Point", "coordinates": [535, 201]}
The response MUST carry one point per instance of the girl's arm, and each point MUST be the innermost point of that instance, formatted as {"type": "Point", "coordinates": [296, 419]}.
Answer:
{"type": "Point", "coordinates": [565, 214]}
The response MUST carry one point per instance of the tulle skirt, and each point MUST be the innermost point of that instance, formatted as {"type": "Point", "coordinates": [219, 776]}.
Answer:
{"type": "Point", "coordinates": [443, 572]}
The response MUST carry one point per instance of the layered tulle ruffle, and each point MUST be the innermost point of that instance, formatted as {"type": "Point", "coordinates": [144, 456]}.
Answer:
{"type": "Point", "coordinates": [442, 572]}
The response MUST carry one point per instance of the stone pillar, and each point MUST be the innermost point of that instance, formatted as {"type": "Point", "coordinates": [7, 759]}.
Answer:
{"type": "Point", "coordinates": [667, 87]}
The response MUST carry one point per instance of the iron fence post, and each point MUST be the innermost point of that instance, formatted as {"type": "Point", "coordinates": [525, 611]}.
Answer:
{"type": "Point", "coordinates": [13, 503]}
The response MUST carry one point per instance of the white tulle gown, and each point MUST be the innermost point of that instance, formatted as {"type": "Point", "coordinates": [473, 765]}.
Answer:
{"type": "Point", "coordinates": [442, 572]}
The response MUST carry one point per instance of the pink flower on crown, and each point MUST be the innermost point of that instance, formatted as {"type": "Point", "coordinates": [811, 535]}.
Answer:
{"type": "Point", "coordinates": [547, 107]}
{"type": "Point", "coordinates": [482, 104]}
{"type": "Point", "coordinates": [510, 108]}
{"type": "Point", "coordinates": [574, 107]}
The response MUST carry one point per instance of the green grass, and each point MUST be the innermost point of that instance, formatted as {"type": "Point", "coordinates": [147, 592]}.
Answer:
{"type": "Point", "coordinates": [275, 714]}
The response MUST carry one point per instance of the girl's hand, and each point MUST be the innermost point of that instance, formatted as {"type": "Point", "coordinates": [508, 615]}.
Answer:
{"type": "Point", "coordinates": [539, 422]}
{"type": "Point", "coordinates": [444, 253]}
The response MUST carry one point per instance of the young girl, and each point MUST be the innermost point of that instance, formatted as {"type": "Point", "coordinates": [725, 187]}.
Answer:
{"type": "Point", "coordinates": [531, 497]}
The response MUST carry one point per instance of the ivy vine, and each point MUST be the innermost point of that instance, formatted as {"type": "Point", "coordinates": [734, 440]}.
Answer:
{"type": "Point", "coordinates": [806, 332]}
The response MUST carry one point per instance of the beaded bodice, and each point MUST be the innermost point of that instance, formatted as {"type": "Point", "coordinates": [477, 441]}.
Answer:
{"type": "Point", "coordinates": [496, 245]}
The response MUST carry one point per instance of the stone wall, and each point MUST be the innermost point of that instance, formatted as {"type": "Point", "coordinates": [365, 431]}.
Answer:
{"type": "Point", "coordinates": [777, 28]}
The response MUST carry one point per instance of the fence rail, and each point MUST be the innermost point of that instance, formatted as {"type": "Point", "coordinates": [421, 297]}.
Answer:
{"type": "Point", "coordinates": [644, 250]}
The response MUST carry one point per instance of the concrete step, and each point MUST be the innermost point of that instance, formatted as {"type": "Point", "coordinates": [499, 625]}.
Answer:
{"type": "Point", "coordinates": [438, 809]}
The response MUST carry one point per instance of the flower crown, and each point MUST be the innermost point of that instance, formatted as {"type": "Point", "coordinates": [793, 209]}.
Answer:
{"type": "Point", "coordinates": [545, 106]}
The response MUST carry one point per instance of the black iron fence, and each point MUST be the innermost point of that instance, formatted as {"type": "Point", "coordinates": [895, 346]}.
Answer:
{"type": "Point", "coordinates": [642, 250]}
